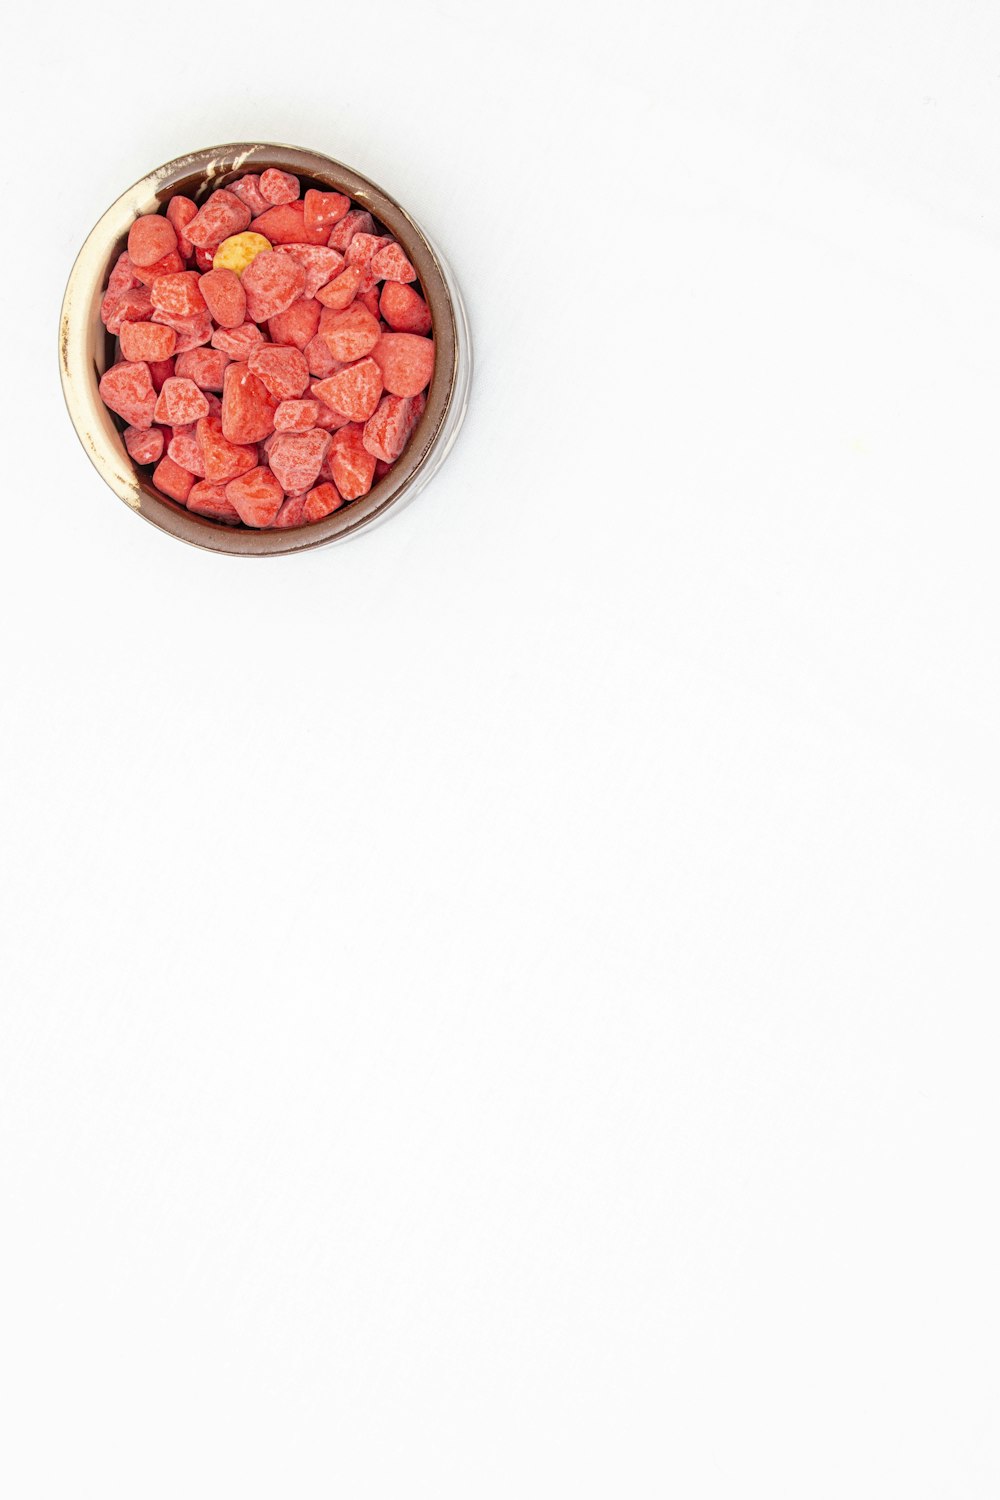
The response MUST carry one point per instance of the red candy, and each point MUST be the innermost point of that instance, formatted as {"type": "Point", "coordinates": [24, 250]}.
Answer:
{"type": "Point", "coordinates": [147, 341]}
{"type": "Point", "coordinates": [351, 465]}
{"type": "Point", "coordinates": [403, 309]}
{"type": "Point", "coordinates": [238, 343]}
{"type": "Point", "coordinates": [185, 450]}
{"type": "Point", "coordinates": [354, 391]}
{"type": "Point", "coordinates": [170, 479]}
{"type": "Point", "coordinates": [191, 332]}
{"type": "Point", "coordinates": [278, 187]}
{"type": "Point", "coordinates": [282, 369]}
{"type": "Point", "coordinates": [369, 299]}
{"type": "Point", "coordinates": [319, 263]}
{"type": "Point", "coordinates": [406, 362]}
{"type": "Point", "coordinates": [295, 416]}
{"type": "Point", "coordinates": [144, 447]}
{"type": "Point", "coordinates": [151, 237]}
{"type": "Point", "coordinates": [296, 457]}
{"type": "Point", "coordinates": [342, 290]}
{"type": "Point", "coordinates": [324, 210]}
{"type": "Point", "coordinates": [223, 460]}
{"type": "Point", "coordinates": [256, 496]}
{"type": "Point", "coordinates": [122, 275]}
{"type": "Point", "coordinates": [132, 306]}
{"type": "Point", "coordinates": [178, 294]}
{"type": "Point", "coordinates": [390, 264]}
{"type": "Point", "coordinates": [247, 189]}
{"type": "Point", "coordinates": [204, 366]}
{"type": "Point", "coordinates": [297, 325]}
{"type": "Point", "coordinates": [388, 429]}
{"type": "Point", "coordinates": [356, 222]}
{"type": "Point", "coordinates": [350, 334]}
{"type": "Point", "coordinates": [328, 418]}
{"type": "Point", "coordinates": [285, 225]}
{"type": "Point", "coordinates": [209, 499]}
{"type": "Point", "coordinates": [272, 282]}
{"type": "Point", "coordinates": [180, 402]}
{"type": "Point", "coordinates": [225, 298]}
{"type": "Point", "coordinates": [247, 406]}
{"type": "Point", "coordinates": [128, 390]}
{"type": "Point", "coordinates": [165, 266]}
{"type": "Point", "coordinates": [159, 371]}
{"type": "Point", "coordinates": [292, 513]}
{"type": "Point", "coordinates": [361, 252]}
{"type": "Point", "coordinates": [321, 501]}
{"type": "Point", "coordinates": [180, 212]}
{"type": "Point", "coordinates": [221, 215]}
{"type": "Point", "coordinates": [317, 399]}
{"type": "Point", "coordinates": [122, 279]}
{"type": "Point", "coordinates": [319, 359]}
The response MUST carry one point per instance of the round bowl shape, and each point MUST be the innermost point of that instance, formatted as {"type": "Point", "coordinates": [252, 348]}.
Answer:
{"type": "Point", "coordinates": [86, 349]}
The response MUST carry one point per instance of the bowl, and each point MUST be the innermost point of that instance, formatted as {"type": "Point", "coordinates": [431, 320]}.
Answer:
{"type": "Point", "coordinates": [86, 349]}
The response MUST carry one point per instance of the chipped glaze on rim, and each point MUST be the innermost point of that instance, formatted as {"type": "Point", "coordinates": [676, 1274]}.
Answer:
{"type": "Point", "coordinates": [86, 349]}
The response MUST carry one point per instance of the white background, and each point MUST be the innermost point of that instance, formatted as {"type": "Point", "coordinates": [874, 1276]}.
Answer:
{"type": "Point", "coordinates": [506, 1007]}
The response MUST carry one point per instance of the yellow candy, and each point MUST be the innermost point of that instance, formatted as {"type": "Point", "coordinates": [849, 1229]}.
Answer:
{"type": "Point", "coordinates": [236, 253]}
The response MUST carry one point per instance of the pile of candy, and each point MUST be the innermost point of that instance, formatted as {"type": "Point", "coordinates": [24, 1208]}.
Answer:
{"type": "Point", "coordinates": [274, 354]}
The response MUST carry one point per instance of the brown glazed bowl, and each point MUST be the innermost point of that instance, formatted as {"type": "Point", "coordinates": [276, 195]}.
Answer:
{"type": "Point", "coordinates": [86, 349]}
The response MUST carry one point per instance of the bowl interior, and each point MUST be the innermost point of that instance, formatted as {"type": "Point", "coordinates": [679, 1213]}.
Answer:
{"type": "Point", "coordinates": [87, 349]}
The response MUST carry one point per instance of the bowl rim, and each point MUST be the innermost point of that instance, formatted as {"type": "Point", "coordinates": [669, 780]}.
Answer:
{"type": "Point", "coordinates": [82, 338]}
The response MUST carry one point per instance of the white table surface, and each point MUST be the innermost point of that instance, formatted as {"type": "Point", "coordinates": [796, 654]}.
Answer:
{"type": "Point", "coordinates": [507, 1007]}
